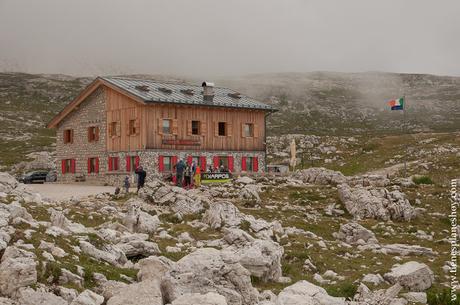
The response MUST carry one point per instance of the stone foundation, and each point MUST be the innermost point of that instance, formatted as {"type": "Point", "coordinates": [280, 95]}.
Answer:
{"type": "Point", "coordinates": [149, 161]}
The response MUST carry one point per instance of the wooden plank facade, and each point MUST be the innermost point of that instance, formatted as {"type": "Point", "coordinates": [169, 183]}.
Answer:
{"type": "Point", "coordinates": [118, 124]}
{"type": "Point", "coordinates": [148, 118]}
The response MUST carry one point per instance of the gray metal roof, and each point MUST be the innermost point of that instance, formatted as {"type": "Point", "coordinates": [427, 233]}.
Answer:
{"type": "Point", "coordinates": [156, 93]}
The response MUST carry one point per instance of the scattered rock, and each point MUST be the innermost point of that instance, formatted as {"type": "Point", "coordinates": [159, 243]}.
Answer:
{"type": "Point", "coordinates": [17, 269]}
{"type": "Point", "coordinates": [205, 270]}
{"type": "Point", "coordinates": [209, 298]}
{"type": "Point", "coordinates": [377, 203]}
{"type": "Point", "coordinates": [375, 279]}
{"type": "Point", "coordinates": [411, 275]}
{"type": "Point", "coordinates": [261, 257]}
{"type": "Point", "coordinates": [354, 233]}
{"type": "Point", "coordinates": [222, 214]}
{"type": "Point", "coordinates": [88, 297]}
{"type": "Point", "coordinates": [138, 221]}
{"type": "Point", "coordinates": [28, 296]}
{"type": "Point", "coordinates": [320, 175]}
{"type": "Point", "coordinates": [305, 293]}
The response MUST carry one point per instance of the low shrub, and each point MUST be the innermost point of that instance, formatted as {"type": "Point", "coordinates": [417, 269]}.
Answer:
{"type": "Point", "coordinates": [422, 180]}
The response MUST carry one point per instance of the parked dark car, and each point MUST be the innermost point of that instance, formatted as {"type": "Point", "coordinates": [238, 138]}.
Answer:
{"type": "Point", "coordinates": [34, 177]}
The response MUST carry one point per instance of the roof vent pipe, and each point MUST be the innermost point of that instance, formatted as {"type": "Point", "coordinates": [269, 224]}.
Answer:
{"type": "Point", "coordinates": [208, 91]}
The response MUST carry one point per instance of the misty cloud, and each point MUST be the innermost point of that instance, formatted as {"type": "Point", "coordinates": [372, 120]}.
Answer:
{"type": "Point", "coordinates": [209, 38]}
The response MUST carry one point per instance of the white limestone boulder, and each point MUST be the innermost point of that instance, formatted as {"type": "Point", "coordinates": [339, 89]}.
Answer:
{"type": "Point", "coordinates": [209, 298]}
{"type": "Point", "coordinates": [153, 267]}
{"type": "Point", "coordinates": [147, 292]}
{"type": "Point", "coordinates": [109, 254]}
{"type": "Point", "coordinates": [320, 175]}
{"type": "Point", "coordinates": [222, 214]}
{"type": "Point", "coordinates": [261, 257]}
{"type": "Point", "coordinates": [59, 220]}
{"type": "Point", "coordinates": [306, 293]}
{"type": "Point", "coordinates": [377, 203]}
{"type": "Point", "coordinates": [6, 301]}
{"type": "Point", "coordinates": [7, 182]}
{"type": "Point", "coordinates": [88, 297]}
{"type": "Point", "coordinates": [17, 269]}
{"type": "Point", "coordinates": [412, 275]}
{"type": "Point", "coordinates": [354, 233]}
{"type": "Point", "coordinates": [28, 296]}
{"type": "Point", "coordinates": [138, 221]}
{"type": "Point", "coordinates": [206, 270]}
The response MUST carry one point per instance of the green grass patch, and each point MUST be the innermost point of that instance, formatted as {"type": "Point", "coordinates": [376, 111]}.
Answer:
{"type": "Point", "coordinates": [346, 290]}
{"type": "Point", "coordinates": [422, 180]}
{"type": "Point", "coordinates": [442, 297]}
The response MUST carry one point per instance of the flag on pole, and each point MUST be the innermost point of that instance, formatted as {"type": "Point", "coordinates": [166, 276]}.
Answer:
{"type": "Point", "coordinates": [397, 104]}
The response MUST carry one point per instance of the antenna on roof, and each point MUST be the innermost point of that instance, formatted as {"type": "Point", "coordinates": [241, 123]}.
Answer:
{"type": "Point", "coordinates": [143, 88]}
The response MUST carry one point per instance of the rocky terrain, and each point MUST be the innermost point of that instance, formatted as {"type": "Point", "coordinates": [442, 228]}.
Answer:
{"type": "Point", "coordinates": [315, 236]}
{"type": "Point", "coordinates": [320, 103]}
{"type": "Point", "coordinates": [348, 226]}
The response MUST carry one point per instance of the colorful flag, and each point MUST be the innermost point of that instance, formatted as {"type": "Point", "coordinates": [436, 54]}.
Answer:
{"type": "Point", "coordinates": [397, 104]}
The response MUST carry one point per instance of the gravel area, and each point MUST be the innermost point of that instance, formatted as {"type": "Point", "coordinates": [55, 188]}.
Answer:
{"type": "Point", "coordinates": [54, 191]}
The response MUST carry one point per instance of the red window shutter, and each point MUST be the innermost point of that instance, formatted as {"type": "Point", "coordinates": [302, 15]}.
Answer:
{"type": "Point", "coordinates": [189, 160]}
{"type": "Point", "coordinates": [72, 166]}
{"type": "Point", "coordinates": [243, 163]}
{"type": "Point", "coordinates": [117, 163]}
{"type": "Point", "coordinates": [230, 163]}
{"type": "Point", "coordinates": [203, 163]}
{"type": "Point", "coordinates": [255, 166]}
{"type": "Point", "coordinates": [161, 164]}
{"type": "Point", "coordinates": [215, 161]}
{"type": "Point", "coordinates": [174, 161]}
{"type": "Point", "coordinates": [63, 166]}
{"type": "Point", "coordinates": [128, 163]}
{"type": "Point", "coordinates": [89, 165]}
{"type": "Point", "coordinates": [96, 169]}
{"type": "Point", "coordinates": [137, 162]}
{"type": "Point", "coordinates": [110, 164]}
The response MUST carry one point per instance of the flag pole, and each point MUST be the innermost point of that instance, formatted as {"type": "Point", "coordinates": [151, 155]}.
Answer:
{"type": "Point", "coordinates": [404, 133]}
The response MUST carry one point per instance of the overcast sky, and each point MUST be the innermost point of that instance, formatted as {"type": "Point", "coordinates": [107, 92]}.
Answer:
{"type": "Point", "coordinates": [231, 37]}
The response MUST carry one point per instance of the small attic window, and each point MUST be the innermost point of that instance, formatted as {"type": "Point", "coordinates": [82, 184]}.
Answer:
{"type": "Point", "coordinates": [165, 90]}
{"type": "Point", "coordinates": [143, 88]}
{"type": "Point", "coordinates": [187, 91]}
{"type": "Point", "coordinates": [235, 95]}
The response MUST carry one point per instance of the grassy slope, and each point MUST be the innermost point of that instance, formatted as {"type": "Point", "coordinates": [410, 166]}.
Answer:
{"type": "Point", "coordinates": [314, 103]}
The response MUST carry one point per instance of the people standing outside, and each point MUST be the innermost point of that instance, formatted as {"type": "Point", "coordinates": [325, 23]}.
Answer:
{"type": "Point", "coordinates": [187, 177]}
{"type": "Point", "coordinates": [192, 174]}
{"type": "Point", "coordinates": [180, 167]}
{"type": "Point", "coordinates": [141, 174]}
{"type": "Point", "coordinates": [126, 184]}
{"type": "Point", "coordinates": [197, 176]}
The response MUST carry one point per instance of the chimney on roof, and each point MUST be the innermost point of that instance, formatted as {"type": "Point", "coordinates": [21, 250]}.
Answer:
{"type": "Point", "coordinates": [208, 91]}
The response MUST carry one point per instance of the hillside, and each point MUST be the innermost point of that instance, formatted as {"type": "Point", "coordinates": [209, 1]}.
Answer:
{"type": "Point", "coordinates": [310, 103]}
{"type": "Point", "coordinates": [354, 103]}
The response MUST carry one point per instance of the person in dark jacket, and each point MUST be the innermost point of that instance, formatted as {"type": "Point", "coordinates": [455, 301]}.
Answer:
{"type": "Point", "coordinates": [141, 174]}
{"type": "Point", "coordinates": [180, 168]}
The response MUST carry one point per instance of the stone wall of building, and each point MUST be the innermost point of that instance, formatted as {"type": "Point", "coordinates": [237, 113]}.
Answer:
{"type": "Point", "coordinates": [90, 112]}
{"type": "Point", "coordinates": [148, 159]}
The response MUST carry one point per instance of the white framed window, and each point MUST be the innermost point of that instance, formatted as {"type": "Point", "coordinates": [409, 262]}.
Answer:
{"type": "Point", "coordinates": [166, 126]}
